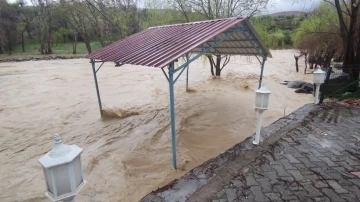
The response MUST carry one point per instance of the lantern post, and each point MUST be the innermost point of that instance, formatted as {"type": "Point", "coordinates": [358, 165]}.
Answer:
{"type": "Point", "coordinates": [261, 104]}
{"type": "Point", "coordinates": [63, 171]}
{"type": "Point", "coordinates": [319, 77]}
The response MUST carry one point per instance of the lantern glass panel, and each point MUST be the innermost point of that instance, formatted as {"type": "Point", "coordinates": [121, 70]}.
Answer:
{"type": "Point", "coordinates": [49, 182]}
{"type": "Point", "coordinates": [78, 171]}
{"type": "Point", "coordinates": [265, 101]}
{"type": "Point", "coordinates": [258, 100]}
{"type": "Point", "coordinates": [62, 179]}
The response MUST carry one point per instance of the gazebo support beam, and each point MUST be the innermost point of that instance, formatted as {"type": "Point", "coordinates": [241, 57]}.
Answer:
{"type": "Point", "coordinates": [262, 71]}
{"type": "Point", "coordinates": [92, 61]}
{"type": "Point", "coordinates": [187, 72]}
{"type": "Point", "coordinates": [172, 112]}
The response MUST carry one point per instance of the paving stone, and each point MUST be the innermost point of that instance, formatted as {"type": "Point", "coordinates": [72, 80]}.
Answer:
{"type": "Point", "coordinates": [332, 195]}
{"type": "Point", "coordinates": [307, 162]}
{"type": "Point", "coordinates": [316, 153]}
{"type": "Point", "coordinates": [313, 158]}
{"type": "Point", "coordinates": [266, 168]}
{"type": "Point", "coordinates": [237, 183]}
{"type": "Point", "coordinates": [340, 177]}
{"type": "Point", "coordinates": [335, 151]}
{"type": "Point", "coordinates": [259, 195]}
{"type": "Point", "coordinates": [250, 180]}
{"type": "Point", "coordinates": [334, 157]}
{"type": "Point", "coordinates": [220, 200]}
{"type": "Point", "coordinates": [271, 160]}
{"type": "Point", "coordinates": [317, 183]}
{"type": "Point", "coordinates": [297, 175]}
{"type": "Point", "coordinates": [351, 162]}
{"type": "Point", "coordinates": [300, 166]}
{"type": "Point", "coordinates": [354, 190]}
{"type": "Point", "coordinates": [321, 199]}
{"type": "Point", "coordinates": [272, 176]}
{"type": "Point", "coordinates": [328, 161]}
{"type": "Point", "coordinates": [275, 197]}
{"type": "Point", "coordinates": [313, 192]}
{"type": "Point", "coordinates": [349, 197]}
{"type": "Point", "coordinates": [322, 173]}
{"type": "Point", "coordinates": [345, 165]}
{"type": "Point", "coordinates": [339, 189]}
{"type": "Point", "coordinates": [287, 165]}
{"type": "Point", "coordinates": [291, 158]}
{"type": "Point", "coordinates": [280, 171]}
{"type": "Point", "coordinates": [231, 195]}
{"type": "Point", "coordinates": [302, 195]}
{"type": "Point", "coordinates": [307, 172]}
{"type": "Point", "coordinates": [285, 194]}
{"type": "Point", "coordinates": [265, 184]}
{"type": "Point", "coordinates": [355, 181]}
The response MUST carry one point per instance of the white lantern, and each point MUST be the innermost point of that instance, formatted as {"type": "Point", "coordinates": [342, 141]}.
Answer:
{"type": "Point", "coordinates": [262, 98]}
{"type": "Point", "coordinates": [319, 76]}
{"type": "Point", "coordinates": [63, 171]}
{"type": "Point", "coordinates": [261, 104]}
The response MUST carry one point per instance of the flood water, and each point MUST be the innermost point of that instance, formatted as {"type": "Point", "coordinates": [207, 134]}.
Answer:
{"type": "Point", "coordinates": [128, 154]}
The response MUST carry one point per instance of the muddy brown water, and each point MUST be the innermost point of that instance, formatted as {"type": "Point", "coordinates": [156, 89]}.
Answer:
{"type": "Point", "coordinates": [128, 154]}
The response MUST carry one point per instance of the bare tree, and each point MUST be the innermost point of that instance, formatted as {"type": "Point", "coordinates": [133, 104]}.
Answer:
{"type": "Point", "coordinates": [79, 21]}
{"type": "Point", "coordinates": [220, 9]}
{"type": "Point", "coordinates": [44, 17]}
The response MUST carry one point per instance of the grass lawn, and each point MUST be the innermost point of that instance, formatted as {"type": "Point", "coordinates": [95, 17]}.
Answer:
{"type": "Point", "coordinates": [62, 49]}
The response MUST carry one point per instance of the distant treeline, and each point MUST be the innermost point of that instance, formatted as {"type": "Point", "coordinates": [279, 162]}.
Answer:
{"type": "Point", "coordinates": [46, 24]}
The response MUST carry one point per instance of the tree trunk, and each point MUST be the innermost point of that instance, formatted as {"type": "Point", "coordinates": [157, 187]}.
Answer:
{"type": "Point", "coordinates": [49, 50]}
{"type": "Point", "coordinates": [217, 66]}
{"type": "Point", "coordinates": [305, 64]}
{"type": "Point", "coordinates": [296, 63]}
{"type": "Point", "coordinates": [349, 57]}
{"type": "Point", "coordinates": [22, 41]}
{"type": "Point", "coordinates": [74, 44]}
{"type": "Point", "coordinates": [101, 41]}
{"type": "Point", "coordinates": [1, 50]}
{"type": "Point", "coordinates": [88, 47]}
{"type": "Point", "coordinates": [211, 61]}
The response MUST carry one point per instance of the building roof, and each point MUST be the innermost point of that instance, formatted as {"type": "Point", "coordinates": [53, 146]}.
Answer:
{"type": "Point", "coordinates": [159, 46]}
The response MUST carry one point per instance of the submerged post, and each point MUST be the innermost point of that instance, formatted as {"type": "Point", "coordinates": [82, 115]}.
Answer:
{"type": "Point", "coordinates": [262, 71]}
{"type": "Point", "coordinates": [172, 112]}
{"type": "Point", "coordinates": [187, 71]}
{"type": "Point", "coordinates": [96, 85]}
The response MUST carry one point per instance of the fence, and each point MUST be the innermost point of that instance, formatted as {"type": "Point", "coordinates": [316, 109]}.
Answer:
{"type": "Point", "coordinates": [340, 85]}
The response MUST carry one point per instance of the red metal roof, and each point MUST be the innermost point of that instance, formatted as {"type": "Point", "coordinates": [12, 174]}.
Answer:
{"type": "Point", "coordinates": [159, 46]}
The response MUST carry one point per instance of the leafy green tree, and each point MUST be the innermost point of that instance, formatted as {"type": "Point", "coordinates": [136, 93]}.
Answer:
{"type": "Point", "coordinates": [8, 26]}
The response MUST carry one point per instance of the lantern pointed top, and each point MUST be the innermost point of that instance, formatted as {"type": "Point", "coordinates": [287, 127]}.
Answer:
{"type": "Point", "coordinates": [59, 149]}
{"type": "Point", "coordinates": [57, 138]}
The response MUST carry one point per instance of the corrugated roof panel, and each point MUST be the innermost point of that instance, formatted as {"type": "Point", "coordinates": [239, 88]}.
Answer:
{"type": "Point", "coordinates": [159, 46]}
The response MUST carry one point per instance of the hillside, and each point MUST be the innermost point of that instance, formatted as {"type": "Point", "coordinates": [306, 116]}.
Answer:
{"type": "Point", "coordinates": [286, 13]}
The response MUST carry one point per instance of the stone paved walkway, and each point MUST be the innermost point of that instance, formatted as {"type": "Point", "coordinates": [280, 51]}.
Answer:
{"type": "Point", "coordinates": [311, 155]}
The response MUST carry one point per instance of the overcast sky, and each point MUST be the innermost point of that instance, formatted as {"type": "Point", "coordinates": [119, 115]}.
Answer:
{"type": "Point", "coordinates": [292, 5]}
{"type": "Point", "coordinates": [278, 5]}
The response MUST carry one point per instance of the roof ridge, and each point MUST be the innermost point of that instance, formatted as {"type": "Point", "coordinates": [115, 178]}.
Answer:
{"type": "Point", "coordinates": [197, 22]}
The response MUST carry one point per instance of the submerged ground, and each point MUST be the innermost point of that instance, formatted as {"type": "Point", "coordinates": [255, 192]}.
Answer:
{"type": "Point", "coordinates": [127, 157]}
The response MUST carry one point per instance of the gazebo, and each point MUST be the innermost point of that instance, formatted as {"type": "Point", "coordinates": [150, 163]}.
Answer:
{"type": "Point", "coordinates": [161, 46]}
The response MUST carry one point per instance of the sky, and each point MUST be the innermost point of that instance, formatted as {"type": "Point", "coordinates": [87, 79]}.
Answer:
{"type": "Point", "coordinates": [275, 6]}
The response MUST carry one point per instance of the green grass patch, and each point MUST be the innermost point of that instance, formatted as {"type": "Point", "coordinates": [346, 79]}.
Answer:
{"type": "Point", "coordinates": [61, 49]}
